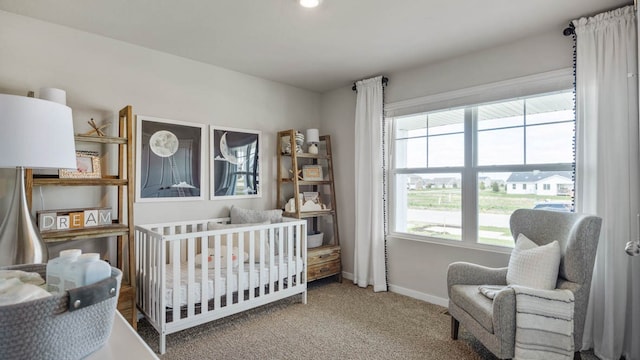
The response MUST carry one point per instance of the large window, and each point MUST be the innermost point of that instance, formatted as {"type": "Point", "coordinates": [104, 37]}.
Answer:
{"type": "Point", "coordinates": [458, 174]}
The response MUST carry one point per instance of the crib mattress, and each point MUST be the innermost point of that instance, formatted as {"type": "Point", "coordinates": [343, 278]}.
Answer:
{"type": "Point", "coordinates": [260, 278]}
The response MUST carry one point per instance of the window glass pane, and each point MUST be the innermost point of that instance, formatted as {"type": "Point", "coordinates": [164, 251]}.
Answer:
{"type": "Point", "coordinates": [501, 147]}
{"type": "Point", "coordinates": [503, 114]}
{"type": "Point", "coordinates": [411, 153]}
{"type": "Point", "coordinates": [550, 144]}
{"type": "Point", "coordinates": [446, 150]}
{"type": "Point", "coordinates": [429, 205]}
{"type": "Point", "coordinates": [500, 194]}
{"type": "Point", "coordinates": [494, 209]}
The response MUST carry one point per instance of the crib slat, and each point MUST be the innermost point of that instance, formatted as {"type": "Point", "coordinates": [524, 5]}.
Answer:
{"type": "Point", "coordinates": [252, 272]}
{"type": "Point", "coordinates": [216, 273]}
{"type": "Point", "coordinates": [240, 271]}
{"type": "Point", "coordinates": [280, 269]}
{"type": "Point", "coordinates": [204, 271]}
{"type": "Point", "coordinates": [191, 276]}
{"type": "Point", "coordinates": [263, 246]}
{"type": "Point", "coordinates": [175, 262]}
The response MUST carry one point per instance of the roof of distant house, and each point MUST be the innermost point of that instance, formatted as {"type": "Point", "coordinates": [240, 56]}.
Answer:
{"type": "Point", "coordinates": [537, 176]}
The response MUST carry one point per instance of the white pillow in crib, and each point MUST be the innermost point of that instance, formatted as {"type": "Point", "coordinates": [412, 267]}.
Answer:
{"type": "Point", "coordinates": [223, 239]}
{"type": "Point", "coordinates": [223, 257]}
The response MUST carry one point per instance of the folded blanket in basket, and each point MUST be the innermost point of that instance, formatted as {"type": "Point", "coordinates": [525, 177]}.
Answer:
{"type": "Point", "coordinates": [544, 323]}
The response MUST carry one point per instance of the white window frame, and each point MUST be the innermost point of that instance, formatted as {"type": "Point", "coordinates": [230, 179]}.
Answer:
{"type": "Point", "coordinates": [548, 82]}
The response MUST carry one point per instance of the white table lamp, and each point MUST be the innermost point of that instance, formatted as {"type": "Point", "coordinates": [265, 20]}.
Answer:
{"type": "Point", "coordinates": [38, 134]}
{"type": "Point", "coordinates": [313, 138]}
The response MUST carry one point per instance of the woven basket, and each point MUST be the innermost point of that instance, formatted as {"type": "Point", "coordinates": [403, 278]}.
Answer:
{"type": "Point", "coordinates": [69, 325]}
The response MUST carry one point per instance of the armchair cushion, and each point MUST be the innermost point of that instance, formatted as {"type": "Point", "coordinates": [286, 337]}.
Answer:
{"type": "Point", "coordinates": [534, 266]}
{"type": "Point", "coordinates": [474, 303]}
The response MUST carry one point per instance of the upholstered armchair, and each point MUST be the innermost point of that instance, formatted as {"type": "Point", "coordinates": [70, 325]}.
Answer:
{"type": "Point", "coordinates": [492, 322]}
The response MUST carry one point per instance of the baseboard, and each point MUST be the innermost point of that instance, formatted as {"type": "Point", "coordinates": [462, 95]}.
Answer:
{"type": "Point", "coordinates": [409, 292]}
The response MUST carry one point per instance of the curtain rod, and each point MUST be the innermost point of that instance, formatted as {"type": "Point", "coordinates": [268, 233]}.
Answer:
{"type": "Point", "coordinates": [385, 80]}
{"type": "Point", "coordinates": [569, 30]}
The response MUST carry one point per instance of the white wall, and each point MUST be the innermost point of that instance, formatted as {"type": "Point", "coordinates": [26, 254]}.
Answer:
{"type": "Point", "coordinates": [417, 268]}
{"type": "Point", "coordinates": [102, 75]}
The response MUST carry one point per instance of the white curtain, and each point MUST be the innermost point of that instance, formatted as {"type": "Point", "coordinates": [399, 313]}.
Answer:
{"type": "Point", "coordinates": [607, 175]}
{"type": "Point", "coordinates": [369, 252]}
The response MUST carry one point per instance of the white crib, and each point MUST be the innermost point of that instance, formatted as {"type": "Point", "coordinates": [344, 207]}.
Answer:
{"type": "Point", "coordinates": [180, 286]}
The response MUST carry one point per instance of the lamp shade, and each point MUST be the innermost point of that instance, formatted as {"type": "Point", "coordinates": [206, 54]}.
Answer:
{"type": "Point", "coordinates": [312, 136]}
{"type": "Point", "coordinates": [35, 133]}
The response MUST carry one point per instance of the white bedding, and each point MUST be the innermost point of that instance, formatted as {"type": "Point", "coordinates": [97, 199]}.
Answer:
{"type": "Point", "coordinates": [267, 275]}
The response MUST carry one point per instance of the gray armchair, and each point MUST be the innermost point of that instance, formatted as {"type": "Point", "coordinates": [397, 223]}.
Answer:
{"type": "Point", "coordinates": [493, 322]}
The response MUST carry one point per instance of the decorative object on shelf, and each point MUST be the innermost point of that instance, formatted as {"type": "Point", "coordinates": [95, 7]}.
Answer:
{"type": "Point", "coordinates": [63, 219]}
{"type": "Point", "coordinates": [314, 240]}
{"type": "Point", "coordinates": [96, 129]}
{"type": "Point", "coordinates": [313, 138]}
{"type": "Point", "coordinates": [299, 142]}
{"type": "Point", "coordinates": [87, 166]}
{"type": "Point", "coordinates": [312, 173]}
{"type": "Point", "coordinates": [235, 163]}
{"type": "Point", "coordinates": [285, 145]}
{"type": "Point", "coordinates": [298, 173]}
{"type": "Point", "coordinates": [37, 133]}
{"type": "Point", "coordinates": [170, 160]}
{"type": "Point", "coordinates": [291, 205]}
{"type": "Point", "coordinates": [312, 201]}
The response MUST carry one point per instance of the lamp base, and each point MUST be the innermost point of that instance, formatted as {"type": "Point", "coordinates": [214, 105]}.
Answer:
{"type": "Point", "coordinates": [20, 240]}
{"type": "Point", "coordinates": [313, 148]}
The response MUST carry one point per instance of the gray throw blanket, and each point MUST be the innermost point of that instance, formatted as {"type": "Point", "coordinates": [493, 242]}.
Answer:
{"type": "Point", "coordinates": [544, 323]}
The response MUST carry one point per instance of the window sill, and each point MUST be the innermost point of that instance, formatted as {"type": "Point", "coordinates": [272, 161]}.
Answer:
{"type": "Point", "coordinates": [451, 243]}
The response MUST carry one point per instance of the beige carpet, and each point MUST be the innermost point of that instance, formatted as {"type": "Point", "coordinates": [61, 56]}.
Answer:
{"type": "Point", "coordinates": [340, 321]}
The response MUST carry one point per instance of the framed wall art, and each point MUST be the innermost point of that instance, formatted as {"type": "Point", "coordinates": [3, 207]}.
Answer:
{"type": "Point", "coordinates": [312, 173]}
{"type": "Point", "coordinates": [88, 167]}
{"type": "Point", "coordinates": [235, 163]}
{"type": "Point", "coordinates": [169, 160]}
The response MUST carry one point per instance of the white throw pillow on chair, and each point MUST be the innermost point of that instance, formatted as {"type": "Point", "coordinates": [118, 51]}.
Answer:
{"type": "Point", "coordinates": [534, 266]}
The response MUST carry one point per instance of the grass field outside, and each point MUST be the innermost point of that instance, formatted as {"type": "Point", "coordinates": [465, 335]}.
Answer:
{"type": "Point", "coordinates": [492, 205]}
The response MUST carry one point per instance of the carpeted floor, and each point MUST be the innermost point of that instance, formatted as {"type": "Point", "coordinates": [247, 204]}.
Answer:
{"type": "Point", "coordinates": [339, 321]}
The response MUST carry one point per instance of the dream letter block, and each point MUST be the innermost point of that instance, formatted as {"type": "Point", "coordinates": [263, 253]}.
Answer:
{"type": "Point", "coordinates": [91, 218]}
{"type": "Point", "coordinates": [63, 222]}
{"type": "Point", "coordinates": [104, 217]}
{"type": "Point", "coordinates": [47, 221]}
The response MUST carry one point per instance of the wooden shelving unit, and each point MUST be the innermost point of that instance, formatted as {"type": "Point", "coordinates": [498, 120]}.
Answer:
{"type": "Point", "coordinates": [122, 227]}
{"type": "Point", "coordinates": [322, 261]}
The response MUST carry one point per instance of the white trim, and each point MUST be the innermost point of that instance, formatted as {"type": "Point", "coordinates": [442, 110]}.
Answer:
{"type": "Point", "coordinates": [522, 86]}
{"type": "Point", "coordinates": [419, 295]}
{"type": "Point", "coordinates": [452, 243]}
{"type": "Point", "coordinates": [432, 299]}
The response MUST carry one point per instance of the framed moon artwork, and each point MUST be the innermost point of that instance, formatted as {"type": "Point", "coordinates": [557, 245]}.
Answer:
{"type": "Point", "coordinates": [169, 160]}
{"type": "Point", "coordinates": [235, 163]}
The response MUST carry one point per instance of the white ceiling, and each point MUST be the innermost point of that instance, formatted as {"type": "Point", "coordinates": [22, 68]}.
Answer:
{"type": "Point", "coordinates": [317, 49]}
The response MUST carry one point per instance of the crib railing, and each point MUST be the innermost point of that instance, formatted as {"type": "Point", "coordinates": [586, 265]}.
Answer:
{"type": "Point", "coordinates": [187, 275]}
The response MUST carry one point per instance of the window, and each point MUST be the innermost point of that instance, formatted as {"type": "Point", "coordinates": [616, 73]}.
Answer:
{"type": "Point", "coordinates": [458, 174]}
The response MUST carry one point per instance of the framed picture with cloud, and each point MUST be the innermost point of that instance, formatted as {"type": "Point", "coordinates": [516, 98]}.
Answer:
{"type": "Point", "coordinates": [234, 163]}
{"type": "Point", "coordinates": [169, 159]}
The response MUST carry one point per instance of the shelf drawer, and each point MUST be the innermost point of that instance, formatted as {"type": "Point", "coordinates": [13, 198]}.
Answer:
{"type": "Point", "coordinates": [323, 255]}
{"type": "Point", "coordinates": [315, 272]}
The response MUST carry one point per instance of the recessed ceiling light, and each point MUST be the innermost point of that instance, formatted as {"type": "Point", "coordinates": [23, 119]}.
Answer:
{"type": "Point", "coordinates": [309, 3]}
